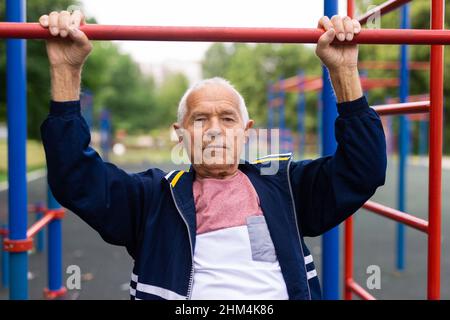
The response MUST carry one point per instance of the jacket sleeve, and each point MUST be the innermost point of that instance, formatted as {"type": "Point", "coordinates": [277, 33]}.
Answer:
{"type": "Point", "coordinates": [330, 189]}
{"type": "Point", "coordinates": [110, 200]}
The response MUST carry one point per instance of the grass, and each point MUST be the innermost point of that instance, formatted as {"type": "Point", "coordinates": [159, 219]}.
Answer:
{"type": "Point", "coordinates": [137, 156]}
{"type": "Point", "coordinates": [133, 155]}
{"type": "Point", "coordinates": [35, 157]}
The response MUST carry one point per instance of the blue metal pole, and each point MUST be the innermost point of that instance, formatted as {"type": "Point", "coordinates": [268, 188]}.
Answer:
{"type": "Point", "coordinates": [5, 263]}
{"type": "Point", "coordinates": [87, 107]}
{"type": "Point", "coordinates": [301, 115]}
{"type": "Point", "coordinates": [105, 134]}
{"type": "Point", "coordinates": [269, 104]}
{"type": "Point", "coordinates": [403, 141]}
{"type": "Point", "coordinates": [282, 118]}
{"type": "Point", "coordinates": [319, 123]}
{"type": "Point", "coordinates": [330, 240]}
{"type": "Point", "coordinates": [270, 114]}
{"type": "Point", "coordinates": [17, 137]}
{"type": "Point", "coordinates": [54, 247]}
{"type": "Point", "coordinates": [423, 137]}
{"type": "Point", "coordinates": [365, 74]}
{"type": "Point", "coordinates": [282, 114]}
{"type": "Point", "coordinates": [390, 142]}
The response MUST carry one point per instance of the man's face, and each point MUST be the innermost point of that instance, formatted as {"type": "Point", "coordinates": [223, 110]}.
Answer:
{"type": "Point", "coordinates": [214, 131]}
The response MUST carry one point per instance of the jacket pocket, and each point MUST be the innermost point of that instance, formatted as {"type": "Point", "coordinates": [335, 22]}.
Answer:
{"type": "Point", "coordinates": [260, 240]}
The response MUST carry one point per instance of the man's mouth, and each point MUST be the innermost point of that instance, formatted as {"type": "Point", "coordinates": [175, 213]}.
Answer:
{"type": "Point", "coordinates": [215, 146]}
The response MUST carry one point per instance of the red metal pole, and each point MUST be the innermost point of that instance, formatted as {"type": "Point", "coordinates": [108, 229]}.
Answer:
{"type": "Point", "coordinates": [383, 8]}
{"type": "Point", "coordinates": [228, 34]}
{"type": "Point", "coordinates": [435, 159]}
{"type": "Point", "coordinates": [348, 226]}
{"type": "Point", "coordinates": [348, 256]}
{"type": "Point", "coordinates": [351, 8]}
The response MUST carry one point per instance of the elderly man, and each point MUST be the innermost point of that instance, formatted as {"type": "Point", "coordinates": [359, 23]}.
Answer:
{"type": "Point", "coordinates": [222, 229]}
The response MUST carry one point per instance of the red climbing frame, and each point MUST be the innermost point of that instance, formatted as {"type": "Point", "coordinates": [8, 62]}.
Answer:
{"type": "Point", "coordinates": [435, 37]}
{"type": "Point", "coordinates": [432, 227]}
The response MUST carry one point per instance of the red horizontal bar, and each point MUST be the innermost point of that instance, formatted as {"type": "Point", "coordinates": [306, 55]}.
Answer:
{"type": "Point", "coordinates": [41, 223]}
{"type": "Point", "coordinates": [358, 290]}
{"type": "Point", "coordinates": [373, 83]}
{"type": "Point", "coordinates": [403, 108]}
{"type": "Point", "coordinates": [411, 98]}
{"type": "Point", "coordinates": [315, 84]}
{"type": "Point", "coordinates": [399, 216]}
{"type": "Point", "coordinates": [393, 65]}
{"type": "Point", "coordinates": [383, 8]}
{"type": "Point", "coordinates": [292, 82]}
{"type": "Point", "coordinates": [228, 34]}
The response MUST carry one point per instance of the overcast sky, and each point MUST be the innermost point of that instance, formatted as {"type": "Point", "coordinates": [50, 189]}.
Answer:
{"type": "Point", "coordinates": [155, 56]}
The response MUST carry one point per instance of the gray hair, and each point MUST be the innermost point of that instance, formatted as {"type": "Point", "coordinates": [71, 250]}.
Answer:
{"type": "Point", "coordinates": [182, 106]}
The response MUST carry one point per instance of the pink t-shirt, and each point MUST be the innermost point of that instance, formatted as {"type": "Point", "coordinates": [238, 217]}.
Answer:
{"type": "Point", "coordinates": [224, 203]}
{"type": "Point", "coordinates": [234, 256]}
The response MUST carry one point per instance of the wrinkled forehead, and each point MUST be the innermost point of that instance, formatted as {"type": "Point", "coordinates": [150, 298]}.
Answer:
{"type": "Point", "coordinates": [210, 96]}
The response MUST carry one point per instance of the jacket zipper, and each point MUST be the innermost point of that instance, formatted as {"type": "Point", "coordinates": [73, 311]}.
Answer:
{"type": "Point", "coordinates": [296, 224]}
{"type": "Point", "coordinates": [191, 277]}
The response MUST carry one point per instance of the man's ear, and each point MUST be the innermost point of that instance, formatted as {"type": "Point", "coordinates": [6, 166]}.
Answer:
{"type": "Point", "coordinates": [248, 126]}
{"type": "Point", "coordinates": [177, 128]}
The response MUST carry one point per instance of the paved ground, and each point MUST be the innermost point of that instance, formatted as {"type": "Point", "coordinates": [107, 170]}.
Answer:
{"type": "Point", "coordinates": [106, 269]}
{"type": "Point", "coordinates": [374, 240]}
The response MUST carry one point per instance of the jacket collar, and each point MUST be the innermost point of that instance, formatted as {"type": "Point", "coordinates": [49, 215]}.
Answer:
{"type": "Point", "coordinates": [181, 183]}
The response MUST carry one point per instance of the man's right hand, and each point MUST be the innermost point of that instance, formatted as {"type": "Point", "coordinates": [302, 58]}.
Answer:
{"type": "Point", "coordinates": [67, 51]}
{"type": "Point", "coordinates": [70, 46]}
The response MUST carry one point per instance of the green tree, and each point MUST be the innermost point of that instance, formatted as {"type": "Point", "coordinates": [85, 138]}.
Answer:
{"type": "Point", "coordinates": [419, 80]}
{"type": "Point", "coordinates": [251, 68]}
{"type": "Point", "coordinates": [168, 96]}
{"type": "Point", "coordinates": [216, 60]}
{"type": "Point", "coordinates": [114, 78]}
{"type": "Point", "coordinates": [37, 67]}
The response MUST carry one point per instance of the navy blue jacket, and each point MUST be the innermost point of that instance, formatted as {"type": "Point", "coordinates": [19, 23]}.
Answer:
{"type": "Point", "coordinates": [152, 213]}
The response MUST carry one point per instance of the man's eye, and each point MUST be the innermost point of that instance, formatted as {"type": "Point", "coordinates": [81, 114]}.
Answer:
{"type": "Point", "coordinates": [199, 119]}
{"type": "Point", "coordinates": [229, 119]}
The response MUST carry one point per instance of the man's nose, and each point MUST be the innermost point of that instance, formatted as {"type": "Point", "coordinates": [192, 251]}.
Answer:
{"type": "Point", "coordinates": [214, 129]}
